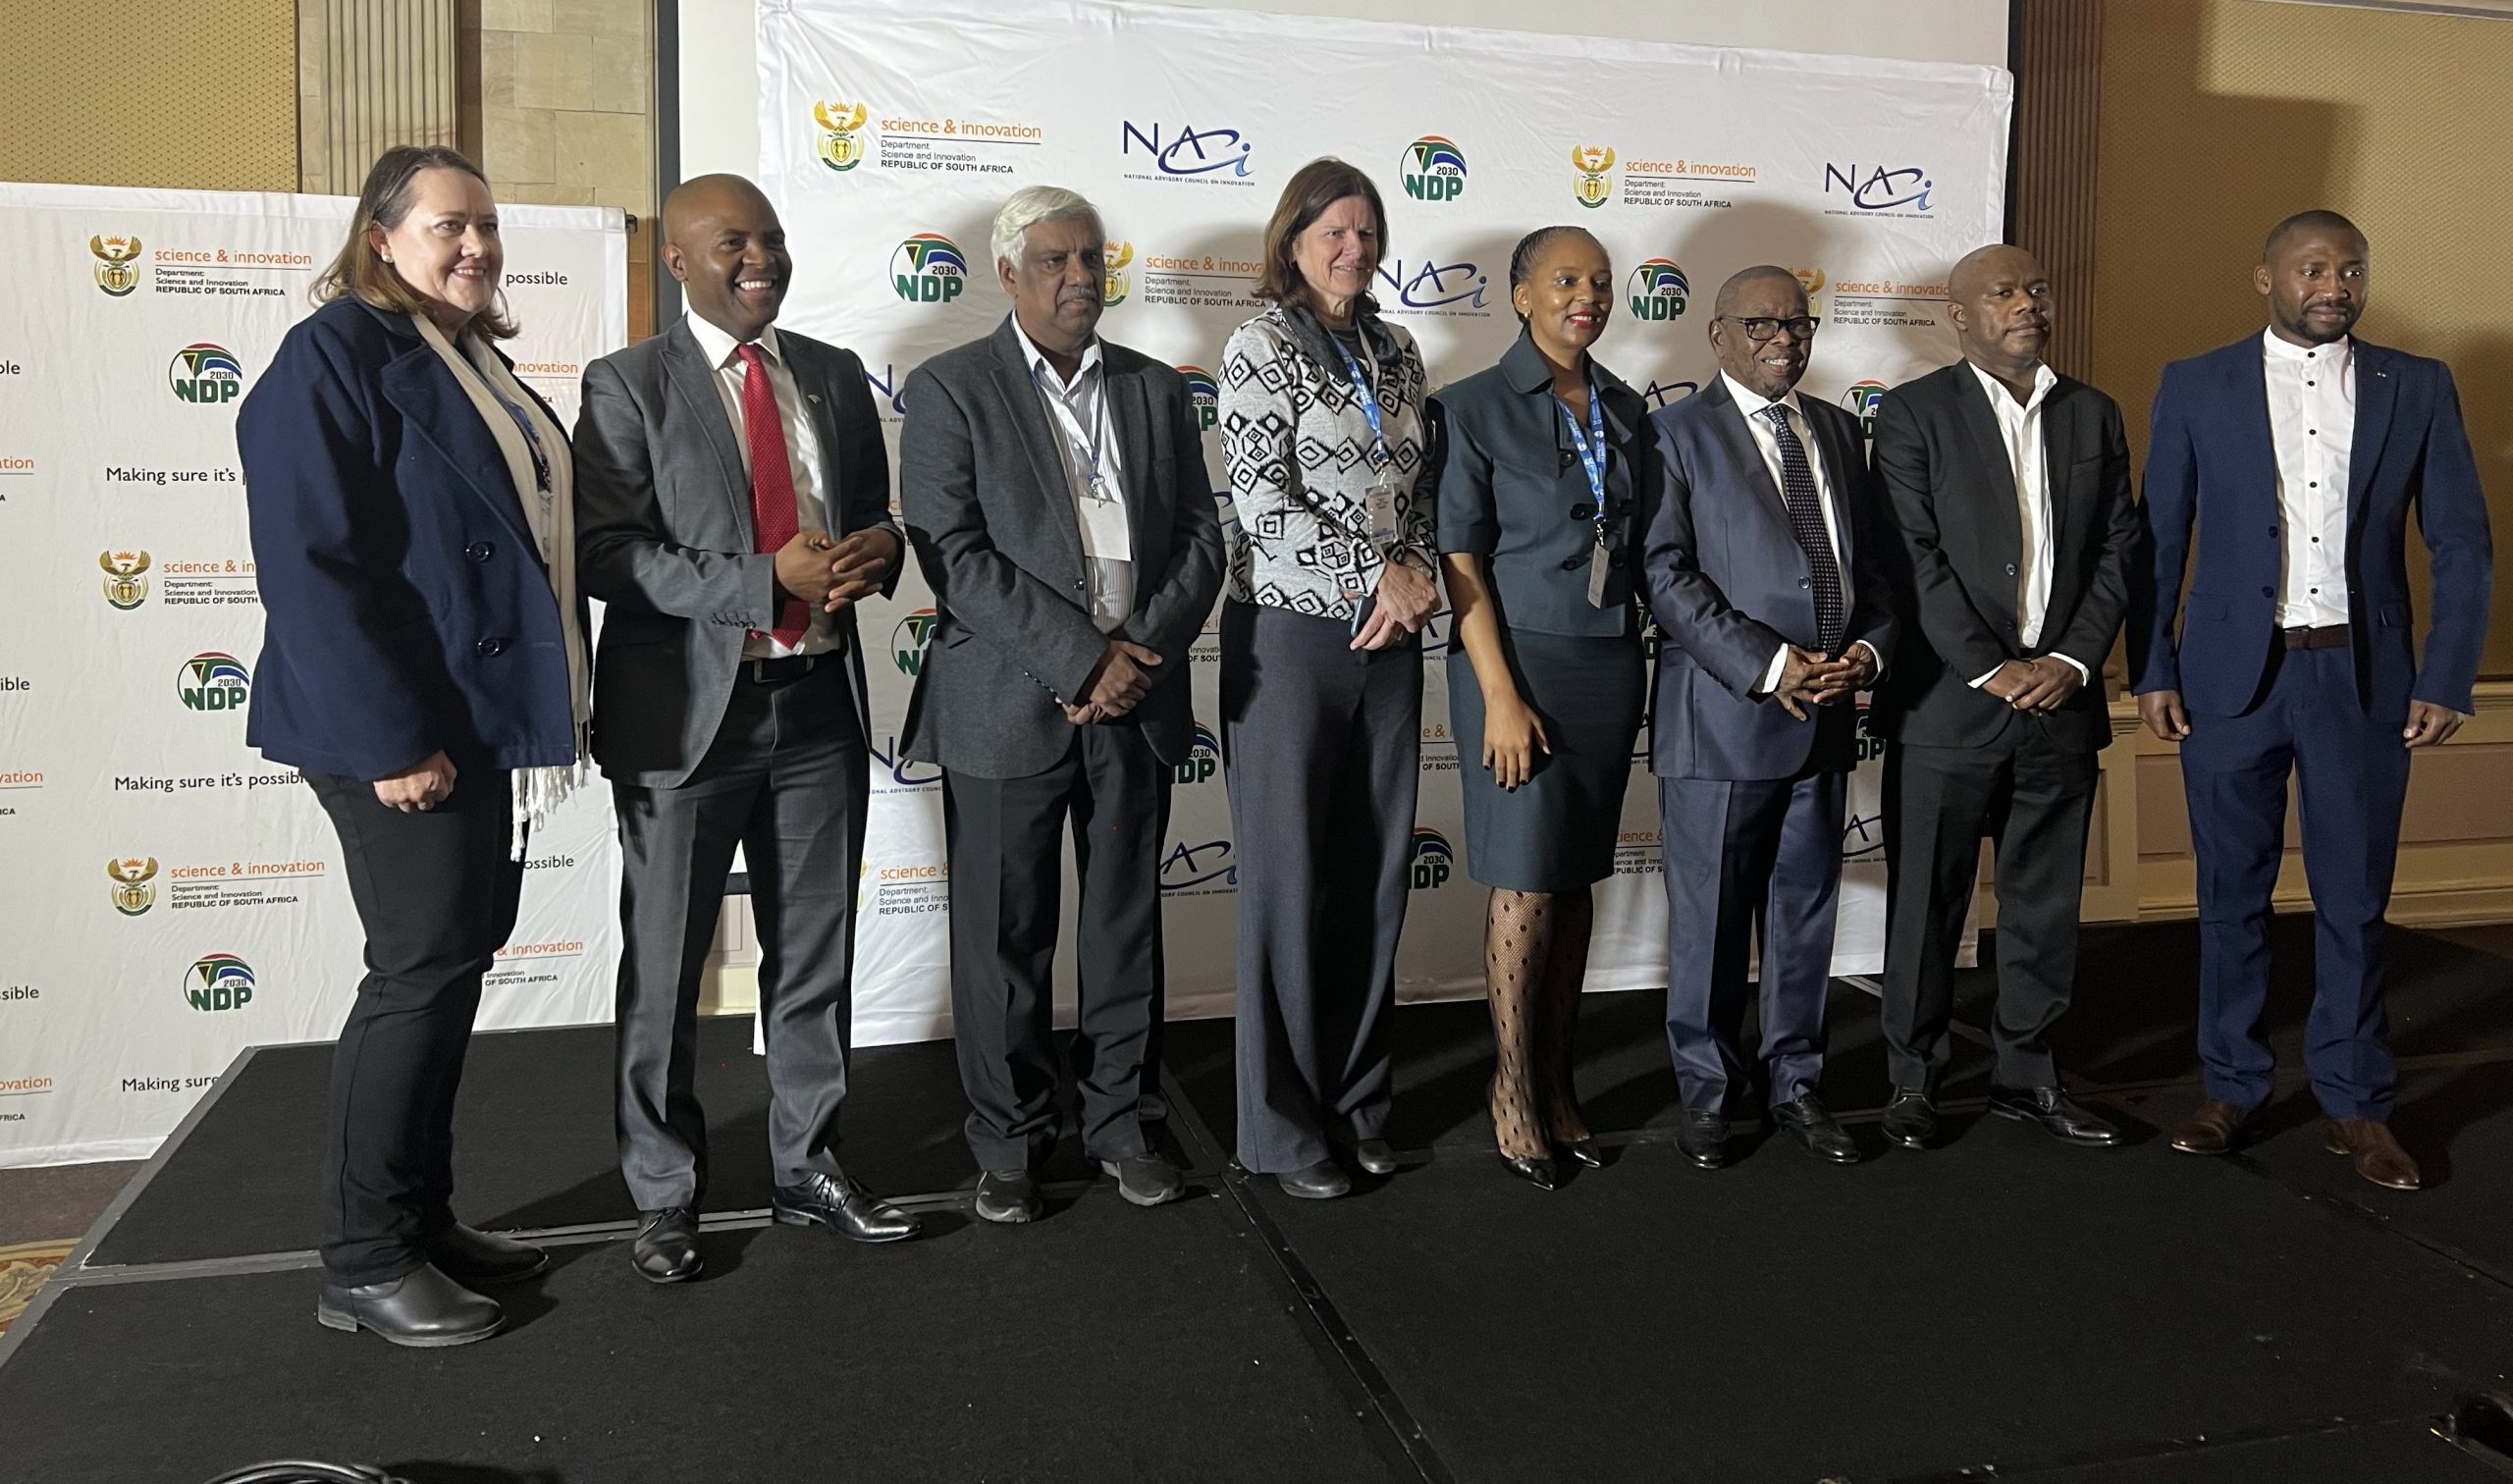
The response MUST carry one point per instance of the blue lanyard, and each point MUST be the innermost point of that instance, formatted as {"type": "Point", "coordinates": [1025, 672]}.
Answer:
{"type": "Point", "coordinates": [1592, 449]}
{"type": "Point", "coordinates": [1086, 442]}
{"type": "Point", "coordinates": [1370, 398]}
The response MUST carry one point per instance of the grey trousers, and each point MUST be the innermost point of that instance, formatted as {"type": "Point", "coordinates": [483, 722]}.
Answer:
{"type": "Point", "coordinates": [1322, 748]}
{"type": "Point", "coordinates": [787, 780]}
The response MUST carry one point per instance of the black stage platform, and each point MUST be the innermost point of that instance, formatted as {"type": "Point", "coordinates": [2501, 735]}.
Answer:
{"type": "Point", "coordinates": [2002, 1309]}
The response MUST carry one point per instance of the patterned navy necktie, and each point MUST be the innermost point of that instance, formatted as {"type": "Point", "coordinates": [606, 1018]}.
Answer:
{"type": "Point", "coordinates": [1806, 523]}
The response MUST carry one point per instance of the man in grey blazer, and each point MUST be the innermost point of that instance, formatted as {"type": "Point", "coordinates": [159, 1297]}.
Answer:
{"type": "Point", "coordinates": [732, 505]}
{"type": "Point", "coordinates": [1055, 487]}
{"type": "Point", "coordinates": [1761, 564]}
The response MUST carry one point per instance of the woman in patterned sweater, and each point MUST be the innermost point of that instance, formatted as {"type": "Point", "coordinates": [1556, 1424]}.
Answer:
{"type": "Point", "coordinates": [1332, 560]}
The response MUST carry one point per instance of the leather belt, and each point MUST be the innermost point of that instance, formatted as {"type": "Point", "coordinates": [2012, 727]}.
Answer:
{"type": "Point", "coordinates": [779, 671]}
{"type": "Point", "coordinates": [2332, 636]}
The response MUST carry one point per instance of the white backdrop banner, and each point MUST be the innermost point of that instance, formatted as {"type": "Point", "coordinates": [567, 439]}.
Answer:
{"type": "Point", "coordinates": [173, 897]}
{"type": "Point", "coordinates": [890, 131]}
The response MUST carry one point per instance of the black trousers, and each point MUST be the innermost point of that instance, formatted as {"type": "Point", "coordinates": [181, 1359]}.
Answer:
{"type": "Point", "coordinates": [436, 893]}
{"type": "Point", "coordinates": [2033, 800]}
{"type": "Point", "coordinates": [785, 779]}
{"type": "Point", "coordinates": [1006, 842]}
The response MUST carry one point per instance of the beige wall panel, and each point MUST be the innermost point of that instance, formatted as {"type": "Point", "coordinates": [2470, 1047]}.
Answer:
{"type": "Point", "coordinates": [122, 95]}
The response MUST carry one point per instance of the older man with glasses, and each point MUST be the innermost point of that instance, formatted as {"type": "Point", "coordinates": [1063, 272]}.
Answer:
{"type": "Point", "coordinates": [1761, 567]}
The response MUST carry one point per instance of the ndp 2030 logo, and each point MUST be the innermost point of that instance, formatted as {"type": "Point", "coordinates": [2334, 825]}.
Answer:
{"type": "Point", "coordinates": [928, 269]}
{"type": "Point", "coordinates": [910, 640]}
{"type": "Point", "coordinates": [1435, 169]}
{"type": "Point", "coordinates": [211, 681]}
{"type": "Point", "coordinates": [1203, 396]}
{"type": "Point", "coordinates": [220, 982]}
{"type": "Point", "coordinates": [205, 374]}
{"type": "Point", "coordinates": [1203, 761]}
{"type": "Point", "coordinates": [1658, 290]}
{"type": "Point", "coordinates": [1433, 859]}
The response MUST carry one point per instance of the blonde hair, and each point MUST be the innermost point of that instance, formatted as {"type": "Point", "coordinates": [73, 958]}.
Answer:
{"type": "Point", "coordinates": [358, 273]}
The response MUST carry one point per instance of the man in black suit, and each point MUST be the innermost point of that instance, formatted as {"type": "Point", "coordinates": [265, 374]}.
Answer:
{"type": "Point", "coordinates": [1055, 493]}
{"type": "Point", "coordinates": [732, 500]}
{"type": "Point", "coordinates": [2011, 486]}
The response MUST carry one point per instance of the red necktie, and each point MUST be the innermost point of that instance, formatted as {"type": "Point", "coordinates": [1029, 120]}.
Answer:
{"type": "Point", "coordinates": [772, 481]}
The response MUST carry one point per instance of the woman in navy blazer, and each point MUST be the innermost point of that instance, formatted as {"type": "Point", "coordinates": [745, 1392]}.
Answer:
{"type": "Point", "coordinates": [422, 667]}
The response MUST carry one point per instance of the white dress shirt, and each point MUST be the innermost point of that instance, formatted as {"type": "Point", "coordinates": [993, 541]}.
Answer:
{"type": "Point", "coordinates": [1767, 443]}
{"type": "Point", "coordinates": [1078, 415]}
{"type": "Point", "coordinates": [2312, 422]}
{"type": "Point", "coordinates": [802, 455]}
{"type": "Point", "coordinates": [2028, 464]}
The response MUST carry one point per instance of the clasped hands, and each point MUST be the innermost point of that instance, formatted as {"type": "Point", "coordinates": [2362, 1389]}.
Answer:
{"type": "Point", "coordinates": [1117, 685]}
{"type": "Point", "coordinates": [1808, 679]}
{"type": "Point", "coordinates": [832, 572]}
{"type": "Point", "coordinates": [2034, 685]}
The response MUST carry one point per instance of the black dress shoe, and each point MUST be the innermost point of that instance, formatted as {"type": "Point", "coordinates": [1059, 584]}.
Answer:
{"type": "Point", "coordinates": [1008, 1196]}
{"type": "Point", "coordinates": [844, 1207]}
{"type": "Point", "coordinates": [1322, 1181]}
{"type": "Point", "coordinates": [2057, 1114]}
{"type": "Point", "coordinates": [1537, 1172]}
{"type": "Point", "coordinates": [1372, 1156]}
{"type": "Point", "coordinates": [1813, 1126]}
{"type": "Point", "coordinates": [1584, 1152]}
{"type": "Point", "coordinates": [1910, 1119]}
{"type": "Point", "coordinates": [475, 1259]}
{"type": "Point", "coordinates": [1703, 1138]}
{"type": "Point", "coordinates": [422, 1308]}
{"type": "Point", "coordinates": [667, 1247]}
{"type": "Point", "coordinates": [1145, 1178]}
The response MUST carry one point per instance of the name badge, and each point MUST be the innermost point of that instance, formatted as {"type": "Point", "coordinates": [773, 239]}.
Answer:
{"type": "Point", "coordinates": [1382, 512]}
{"type": "Point", "coordinates": [1105, 534]}
{"type": "Point", "coordinates": [1598, 570]}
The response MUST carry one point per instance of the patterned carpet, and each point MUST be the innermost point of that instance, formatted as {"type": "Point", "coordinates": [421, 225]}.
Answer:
{"type": "Point", "coordinates": [22, 1270]}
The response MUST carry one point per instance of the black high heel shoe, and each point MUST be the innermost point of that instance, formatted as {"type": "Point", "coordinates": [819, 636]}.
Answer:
{"type": "Point", "coordinates": [1537, 1172]}
{"type": "Point", "coordinates": [1584, 1152]}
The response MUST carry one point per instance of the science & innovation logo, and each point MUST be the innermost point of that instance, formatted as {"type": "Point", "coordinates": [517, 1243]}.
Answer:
{"type": "Point", "coordinates": [910, 640]}
{"type": "Point", "coordinates": [839, 148]}
{"type": "Point", "coordinates": [1900, 190]}
{"type": "Point", "coordinates": [1203, 760]}
{"type": "Point", "coordinates": [1203, 394]}
{"type": "Point", "coordinates": [220, 982]}
{"type": "Point", "coordinates": [1432, 858]}
{"type": "Point", "coordinates": [1435, 169]}
{"type": "Point", "coordinates": [1591, 161]}
{"type": "Point", "coordinates": [1217, 156]}
{"type": "Point", "coordinates": [1114, 288]}
{"type": "Point", "coordinates": [213, 682]}
{"type": "Point", "coordinates": [125, 587]}
{"type": "Point", "coordinates": [205, 374]}
{"type": "Point", "coordinates": [927, 269]}
{"type": "Point", "coordinates": [117, 264]}
{"type": "Point", "coordinates": [1861, 398]}
{"type": "Point", "coordinates": [1659, 290]}
{"type": "Point", "coordinates": [135, 888]}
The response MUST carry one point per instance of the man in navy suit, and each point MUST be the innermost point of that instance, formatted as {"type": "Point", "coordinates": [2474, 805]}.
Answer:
{"type": "Point", "coordinates": [1760, 563]}
{"type": "Point", "coordinates": [2300, 453]}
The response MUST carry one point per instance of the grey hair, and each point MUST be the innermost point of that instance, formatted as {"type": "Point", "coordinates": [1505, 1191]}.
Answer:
{"type": "Point", "coordinates": [1026, 208]}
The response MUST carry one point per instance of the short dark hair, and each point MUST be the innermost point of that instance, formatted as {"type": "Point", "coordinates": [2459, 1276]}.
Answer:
{"type": "Point", "coordinates": [360, 274]}
{"type": "Point", "coordinates": [2316, 220]}
{"type": "Point", "coordinates": [1312, 187]}
{"type": "Point", "coordinates": [1523, 256]}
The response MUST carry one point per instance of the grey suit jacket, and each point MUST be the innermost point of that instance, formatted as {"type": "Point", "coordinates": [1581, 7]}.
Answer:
{"type": "Point", "coordinates": [664, 539]}
{"type": "Point", "coordinates": [1728, 583]}
{"type": "Point", "coordinates": [984, 492]}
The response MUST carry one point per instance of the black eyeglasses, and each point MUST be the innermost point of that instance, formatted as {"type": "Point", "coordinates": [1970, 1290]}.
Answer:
{"type": "Point", "coordinates": [1762, 326]}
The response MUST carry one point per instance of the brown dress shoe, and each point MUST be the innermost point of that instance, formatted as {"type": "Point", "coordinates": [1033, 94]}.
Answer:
{"type": "Point", "coordinates": [2214, 1127]}
{"type": "Point", "coordinates": [2369, 1146]}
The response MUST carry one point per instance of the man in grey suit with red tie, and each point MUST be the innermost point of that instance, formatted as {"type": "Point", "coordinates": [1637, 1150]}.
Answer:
{"type": "Point", "coordinates": [2299, 455]}
{"type": "Point", "coordinates": [1761, 562]}
{"type": "Point", "coordinates": [733, 507]}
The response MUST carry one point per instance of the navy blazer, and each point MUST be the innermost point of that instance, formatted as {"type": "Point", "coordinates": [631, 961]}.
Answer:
{"type": "Point", "coordinates": [2211, 459]}
{"type": "Point", "coordinates": [405, 608]}
{"type": "Point", "coordinates": [1729, 583]}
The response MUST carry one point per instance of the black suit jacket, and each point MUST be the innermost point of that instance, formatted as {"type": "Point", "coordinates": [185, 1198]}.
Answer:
{"type": "Point", "coordinates": [1952, 494]}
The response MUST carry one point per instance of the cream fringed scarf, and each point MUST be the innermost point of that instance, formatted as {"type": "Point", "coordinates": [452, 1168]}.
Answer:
{"type": "Point", "coordinates": [551, 516]}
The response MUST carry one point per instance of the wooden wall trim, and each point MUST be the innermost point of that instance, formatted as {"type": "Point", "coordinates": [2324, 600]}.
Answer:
{"type": "Point", "coordinates": [2058, 95]}
{"type": "Point", "coordinates": [372, 74]}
